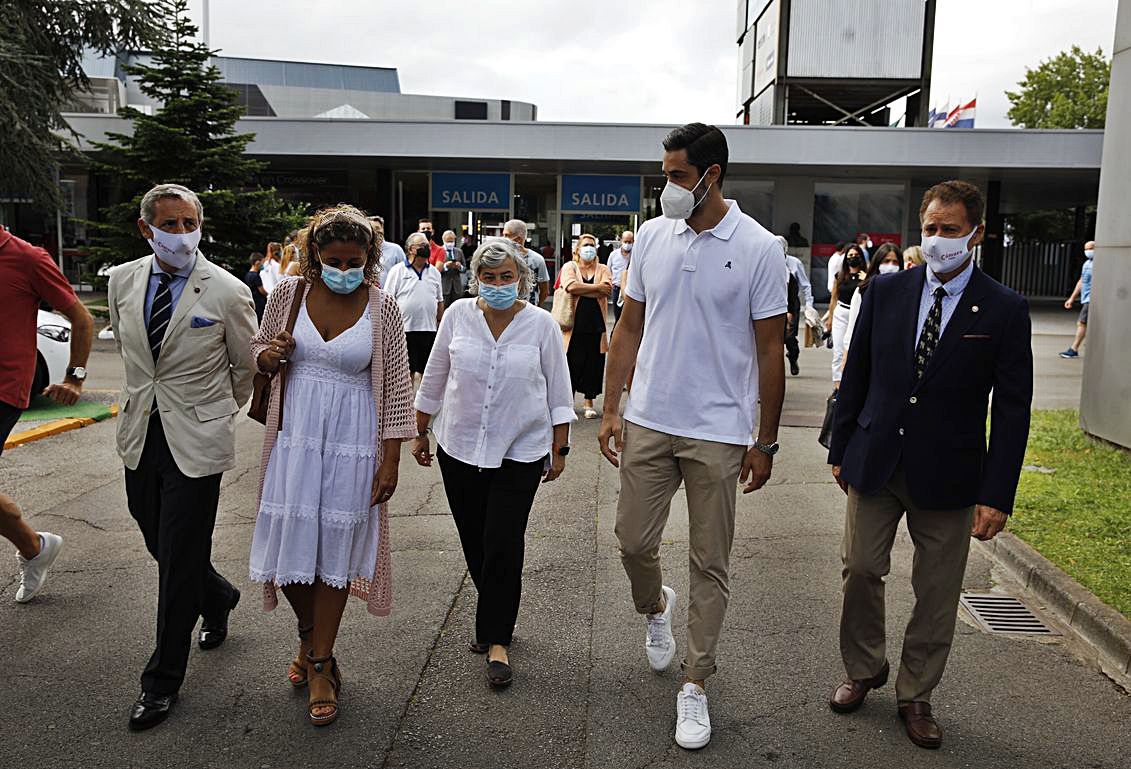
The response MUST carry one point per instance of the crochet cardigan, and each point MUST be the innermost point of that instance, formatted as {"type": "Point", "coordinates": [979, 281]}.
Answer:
{"type": "Point", "coordinates": [392, 394]}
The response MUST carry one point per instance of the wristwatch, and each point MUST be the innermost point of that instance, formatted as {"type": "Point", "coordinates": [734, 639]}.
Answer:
{"type": "Point", "coordinates": [562, 450]}
{"type": "Point", "coordinates": [77, 373]}
{"type": "Point", "coordinates": [767, 448]}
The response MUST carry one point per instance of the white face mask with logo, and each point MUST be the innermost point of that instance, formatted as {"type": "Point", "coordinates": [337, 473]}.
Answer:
{"type": "Point", "coordinates": [945, 255]}
{"type": "Point", "coordinates": [175, 249]}
{"type": "Point", "coordinates": [679, 202]}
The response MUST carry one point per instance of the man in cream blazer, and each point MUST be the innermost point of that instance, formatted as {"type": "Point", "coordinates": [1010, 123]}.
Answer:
{"type": "Point", "coordinates": [182, 326]}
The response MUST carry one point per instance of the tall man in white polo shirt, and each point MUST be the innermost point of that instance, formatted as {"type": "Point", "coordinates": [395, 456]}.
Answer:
{"type": "Point", "coordinates": [418, 288]}
{"type": "Point", "coordinates": [709, 289]}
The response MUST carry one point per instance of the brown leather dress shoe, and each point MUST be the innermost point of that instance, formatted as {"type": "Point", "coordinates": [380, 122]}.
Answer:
{"type": "Point", "coordinates": [922, 728]}
{"type": "Point", "coordinates": [850, 695]}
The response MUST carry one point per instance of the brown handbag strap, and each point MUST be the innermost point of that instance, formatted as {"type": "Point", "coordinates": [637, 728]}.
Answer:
{"type": "Point", "coordinates": [292, 318]}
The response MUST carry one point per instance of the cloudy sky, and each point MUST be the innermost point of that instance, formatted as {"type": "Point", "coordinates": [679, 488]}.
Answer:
{"type": "Point", "coordinates": [633, 61]}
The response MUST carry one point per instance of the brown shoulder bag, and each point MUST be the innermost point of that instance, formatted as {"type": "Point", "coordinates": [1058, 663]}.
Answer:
{"type": "Point", "coordinates": [261, 385]}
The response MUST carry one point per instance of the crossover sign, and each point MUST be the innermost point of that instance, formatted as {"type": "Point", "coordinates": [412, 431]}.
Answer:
{"type": "Point", "coordinates": [471, 191]}
{"type": "Point", "coordinates": [600, 194]}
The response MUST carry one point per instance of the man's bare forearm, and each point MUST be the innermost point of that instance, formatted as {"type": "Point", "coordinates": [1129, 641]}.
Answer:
{"type": "Point", "coordinates": [771, 376]}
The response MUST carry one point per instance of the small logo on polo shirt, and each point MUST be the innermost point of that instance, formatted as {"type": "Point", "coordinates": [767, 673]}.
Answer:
{"type": "Point", "coordinates": [728, 266]}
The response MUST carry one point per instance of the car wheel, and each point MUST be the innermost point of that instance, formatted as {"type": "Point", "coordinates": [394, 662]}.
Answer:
{"type": "Point", "coordinates": [42, 376]}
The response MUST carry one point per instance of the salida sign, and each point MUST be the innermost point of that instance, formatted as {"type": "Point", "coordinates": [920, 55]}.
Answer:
{"type": "Point", "coordinates": [600, 194]}
{"type": "Point", "coordinates": [478, 192]}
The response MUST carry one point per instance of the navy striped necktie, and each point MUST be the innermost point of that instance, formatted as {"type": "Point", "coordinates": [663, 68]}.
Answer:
{"type": "Point", "coordinates": [160, 314]}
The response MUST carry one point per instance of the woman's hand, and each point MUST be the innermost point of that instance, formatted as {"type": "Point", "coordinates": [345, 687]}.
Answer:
{"type": "Point", "coordinates": [421, 451]}
{"type": "Point", "coordinates": [557, 465]}
{"type": "Point", "coordinates": [385, 481]}
{"type": "Point", "coordinates": [281, 348]}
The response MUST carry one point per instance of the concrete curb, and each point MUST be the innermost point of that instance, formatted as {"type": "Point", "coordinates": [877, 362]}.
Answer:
{"type": "Point", "coordinates": [1108, 631]}
{"type": "Point", "coordinates": [55, 428]}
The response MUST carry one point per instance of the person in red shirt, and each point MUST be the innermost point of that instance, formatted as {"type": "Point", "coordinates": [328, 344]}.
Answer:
{"type": "Point", "coordinates": [27, 278]}
{"type": "Point", "coordinates": [436, 258]}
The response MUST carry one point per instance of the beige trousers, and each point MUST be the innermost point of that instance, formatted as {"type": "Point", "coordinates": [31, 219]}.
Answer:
{"type": "Point", "coordinates": [652, 467]}
{"type": "Point", "coordinates": [942, 542]}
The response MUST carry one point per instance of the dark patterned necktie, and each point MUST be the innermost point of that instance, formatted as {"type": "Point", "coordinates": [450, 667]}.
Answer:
{"type": "Point", "coordinates": [929, 338]}
{"type": "Point", "coordinates": [160, 314]}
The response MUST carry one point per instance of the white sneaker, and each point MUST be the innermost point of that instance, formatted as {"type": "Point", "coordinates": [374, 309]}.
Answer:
{"type": "Point", "coordinates": [659, 643]}
{"type": "Point", "coordinates": [33, 573]}
{"type": "Point", "coordinates": [692, 723]}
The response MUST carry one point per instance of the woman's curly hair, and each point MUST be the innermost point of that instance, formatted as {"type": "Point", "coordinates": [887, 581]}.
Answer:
{"type": "Point", "coordinates": [342, 223]}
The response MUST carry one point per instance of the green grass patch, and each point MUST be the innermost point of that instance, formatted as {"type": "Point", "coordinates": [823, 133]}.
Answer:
{"type": "Point", "coordinates": [1079, 516]}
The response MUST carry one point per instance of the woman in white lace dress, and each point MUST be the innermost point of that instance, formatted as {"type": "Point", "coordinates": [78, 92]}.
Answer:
{"type": "Point", "coordinates": [332, 466]}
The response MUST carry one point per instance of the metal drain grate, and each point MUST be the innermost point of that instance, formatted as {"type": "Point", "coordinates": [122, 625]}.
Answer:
{"type": "Point", "coordinates": [997, 613]}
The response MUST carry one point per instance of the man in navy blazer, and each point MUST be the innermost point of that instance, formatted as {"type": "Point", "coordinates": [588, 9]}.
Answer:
{"type": "Point", "coordinates": [909, 436]}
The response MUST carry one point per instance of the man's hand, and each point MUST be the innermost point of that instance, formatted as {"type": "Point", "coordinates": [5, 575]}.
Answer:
{"type": "Point", "coordinates": [421, 451]}
{"type": "Point", "coordinates": [988, 521]}
{"type": "Point", "coordinates": [66, 393]}
{"type": "Point", "coordinates": [756, 468]}
{"type": "Point", "coordinates": [385, 481]}
{"type": "Point", "coordinates": [612, 427]}
{"type": "Point", "coordinates": [557, 465]}
{"type": "Point", "coordinates": [839, 481]}
{"type": "Point", "coordinates": [1068, 305]}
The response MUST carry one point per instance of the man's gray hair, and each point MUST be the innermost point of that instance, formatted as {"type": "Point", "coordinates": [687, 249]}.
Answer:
{"type": "Point", "coordinates": [447, 233]}
{"type": "Point", "coordinates": [413, 237]}
{"type": "Point", "coordinates": [148, 208]}
{"type": "Point", "coordinates": [516, 227]}
{"type": "Point", "coordinates": [490, 255]}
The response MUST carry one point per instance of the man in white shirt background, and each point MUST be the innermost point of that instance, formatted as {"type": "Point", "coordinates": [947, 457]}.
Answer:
{"type": "Point", "coordinates": [515, 231]}
{"type": "Point", "coordinates": [391, 253]}
{"type": "Point", "coordinates": [805, 289]}
{"type": "Point", "coordinates": [707, 282]}
{"type": "Point", "coordinates": [418, 289]}
{"type": "Point", "coordinates": [618, 263]}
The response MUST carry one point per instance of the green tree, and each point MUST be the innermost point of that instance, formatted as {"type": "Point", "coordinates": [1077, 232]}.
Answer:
{"type": "Point", "coordinates": [1066, 91]}
{"type": "Point", "coordinates": [41, 50]}
{"type": "Point", "coordinates": [190, 139]}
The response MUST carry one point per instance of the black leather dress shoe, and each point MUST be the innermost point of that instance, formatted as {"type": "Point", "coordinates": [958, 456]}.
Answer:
{"type": "Point", "coordinates": [213, 631]}
{"type": "Point", "coordinates": [150, 710]}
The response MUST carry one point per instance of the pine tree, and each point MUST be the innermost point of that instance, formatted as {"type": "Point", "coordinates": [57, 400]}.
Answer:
{"type": "Point", "coordinates": [190, 140]}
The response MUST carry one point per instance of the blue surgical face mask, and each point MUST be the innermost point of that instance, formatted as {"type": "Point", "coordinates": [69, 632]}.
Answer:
{"type": "Point", "coordinates": [342, 281]}
{"type": "Point", "coordinates": [1089, 254]}
{"type": "Point", "coordinates": [499, 297]}
{"type": "Point", "coordinates": [588, 253]}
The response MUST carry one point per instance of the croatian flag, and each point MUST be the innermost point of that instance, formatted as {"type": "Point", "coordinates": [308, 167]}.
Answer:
{"type": "Point", "coordinates": [963, 116]}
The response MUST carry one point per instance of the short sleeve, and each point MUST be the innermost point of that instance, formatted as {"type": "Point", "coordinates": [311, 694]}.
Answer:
{"type": "Point", "coordinates": [49, 283]}
{"type": "Point", "coordinates": [543, 271]}
{"type": "Point", "coordinates": [636, 289]}
{"type": "Point", "coordinates": [439, 287]}
{"type": "Point", "coordinates": [768, 292]}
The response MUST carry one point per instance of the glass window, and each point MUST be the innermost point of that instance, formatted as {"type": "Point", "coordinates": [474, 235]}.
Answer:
{"type": "Point", "coordinates": [755, 197]}
{"type": "Point", "coordinates": [843, 210]}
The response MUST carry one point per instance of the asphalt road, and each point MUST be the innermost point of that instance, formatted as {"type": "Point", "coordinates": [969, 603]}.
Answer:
{"type": "Point", "coordinates": [583, 695]}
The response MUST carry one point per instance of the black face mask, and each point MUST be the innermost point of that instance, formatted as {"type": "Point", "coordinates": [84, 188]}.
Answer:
{"type": "Point", "coordinates": [854, 261]}
{"type": "Point", "coordinates": [422, 251]}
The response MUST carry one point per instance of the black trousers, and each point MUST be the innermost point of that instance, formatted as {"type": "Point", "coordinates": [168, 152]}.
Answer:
{"type": "Point", "coordinates": [616, 304]}
{"type": "Point", "coordinates": [792, 349]}
{"type": "Point", "coordinates": [491, 507]}
{"type": "Point", "coordinates": [176, 515]}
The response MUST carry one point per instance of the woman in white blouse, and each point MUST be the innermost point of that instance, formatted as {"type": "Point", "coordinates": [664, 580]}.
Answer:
{"type": "Point", "coordinates": [499, 371]}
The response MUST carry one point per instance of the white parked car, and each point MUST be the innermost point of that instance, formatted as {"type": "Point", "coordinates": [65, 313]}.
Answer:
{"type": "Point", "coordinates": [53, 345]}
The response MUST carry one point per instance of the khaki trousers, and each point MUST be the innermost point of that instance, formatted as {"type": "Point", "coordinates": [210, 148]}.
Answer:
{"type": "Point", "coordinates": [652, 467]}
{"type": "Point", "coordinates": [942, 542]}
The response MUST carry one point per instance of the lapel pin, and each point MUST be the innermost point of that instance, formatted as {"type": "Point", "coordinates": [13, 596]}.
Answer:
{"type": "Point", "coordinates": [197, 290]}
{"type": "Point", "coordinates": [972, 309]}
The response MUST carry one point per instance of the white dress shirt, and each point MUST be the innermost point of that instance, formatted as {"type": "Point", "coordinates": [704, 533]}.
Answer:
{"type": "Point", "coordinates": [804, 287]}
{"type": "Point", "coordinates": [269, 273]}
{"type": "Point", "coordinates": [418, 295]}
{"type": "Point", "coordinates": [618, 263]}
{"type": "Point", "coordinates": [836, 261]}
{"type": "Point", "coordinates": [496, 399]}
{"type": "Point", "coordinates": [954, 288]}
{"type": "Point", "coordinates": [391, 256]}
{"type": "Point", "coordinates": [696, 372]}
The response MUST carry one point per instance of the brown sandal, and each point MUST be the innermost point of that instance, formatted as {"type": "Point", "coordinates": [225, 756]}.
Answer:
{"type": "Point", "coordinates": [297, 673]}
{"type": "Point", "coordinates": [318, 670]}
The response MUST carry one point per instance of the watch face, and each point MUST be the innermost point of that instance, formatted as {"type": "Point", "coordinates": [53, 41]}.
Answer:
{"type": "Point", "coordinates": [563, 451]}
